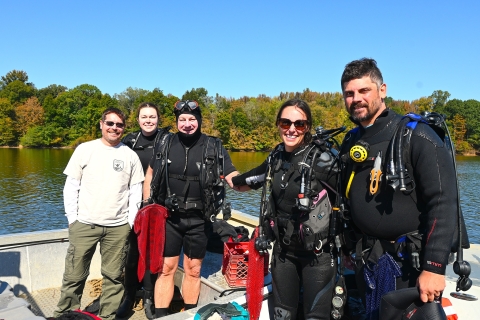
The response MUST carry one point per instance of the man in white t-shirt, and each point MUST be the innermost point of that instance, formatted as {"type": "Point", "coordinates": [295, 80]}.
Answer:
{"type": "Point", "coordinates": [101, 193]}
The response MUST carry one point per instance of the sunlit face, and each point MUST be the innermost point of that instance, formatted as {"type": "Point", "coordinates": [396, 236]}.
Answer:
{"type": "Point", "coordinates": [293, 137]}
{"type": "Point", "coordinates": [363, 100]}
{"type": "Point", "coordinates": [111, 135]}
{"type": "Point", "coordinates": [148, 121]}
{"type": "Point", "coordinates": [187, 123]}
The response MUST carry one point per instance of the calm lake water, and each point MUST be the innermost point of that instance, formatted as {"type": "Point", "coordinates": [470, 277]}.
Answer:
{"type": "Point", "coordinates": [31, 184]}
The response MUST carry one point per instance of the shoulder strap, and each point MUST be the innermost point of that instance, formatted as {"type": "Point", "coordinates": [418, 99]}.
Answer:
{"type": "Point", "coordinates": [212, 182]}
{"type": "Point", "coordinates": [161, 157]}
{"type": "Point", "coordinates": [131, 139]}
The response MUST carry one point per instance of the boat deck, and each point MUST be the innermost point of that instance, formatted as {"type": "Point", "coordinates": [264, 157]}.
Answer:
{"type": "Point", "coordinates": [43, 302]}
{"type": "Point", "coordinates": [23, 265]}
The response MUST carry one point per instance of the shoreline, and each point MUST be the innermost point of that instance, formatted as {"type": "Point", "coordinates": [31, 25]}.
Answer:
{"type": "Point", "coordinates": [469, 154]}
{"type": "Point", "coordinates": [22, 147]}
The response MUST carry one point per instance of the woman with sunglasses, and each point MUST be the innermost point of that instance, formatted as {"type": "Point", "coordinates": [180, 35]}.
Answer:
{"type": "Point", "coordinates": [180, 186]}
{"type": "Point", "coordinates": [142, 142]}
{"type": "Point", "coordinates": [296, 271]}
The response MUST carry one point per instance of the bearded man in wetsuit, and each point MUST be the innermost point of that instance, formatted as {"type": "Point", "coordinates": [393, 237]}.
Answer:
{"type": "Point", "coordinates": [383, 218]}
{"type": "Point", "coordinates": [186, 226]}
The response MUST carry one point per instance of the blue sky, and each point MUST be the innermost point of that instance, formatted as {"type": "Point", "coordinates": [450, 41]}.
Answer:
{"type": "Point", "coordinates": [237, 48]}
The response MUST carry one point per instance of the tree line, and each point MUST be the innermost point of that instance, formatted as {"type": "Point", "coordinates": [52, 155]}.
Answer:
{"type": "Point", "coordinates": [56, 116]}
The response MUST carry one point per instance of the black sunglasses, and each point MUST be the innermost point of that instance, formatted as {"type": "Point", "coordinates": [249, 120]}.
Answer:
{"type": "Point", "coordinates": [189, 104]}
{"type": "Point", "coordinates": [111, 124]}
{"type": "Point", "coordinates": [287, 123]}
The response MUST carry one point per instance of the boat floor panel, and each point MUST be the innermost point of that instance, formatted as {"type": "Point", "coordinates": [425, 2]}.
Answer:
{"type": "Point", "coordinates": [43, 302]}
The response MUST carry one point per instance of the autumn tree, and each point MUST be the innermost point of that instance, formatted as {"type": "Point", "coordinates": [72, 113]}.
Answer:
{"type": "Point", "coordinates": [459, 131]}
{"type": "Point", "coordinates": [423, 104]}
{"type": "Point", "coordinates": [28, 115]}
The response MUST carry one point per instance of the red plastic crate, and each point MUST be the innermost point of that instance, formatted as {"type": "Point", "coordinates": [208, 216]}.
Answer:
{"type": "Point", "coordinates": [235, 263]}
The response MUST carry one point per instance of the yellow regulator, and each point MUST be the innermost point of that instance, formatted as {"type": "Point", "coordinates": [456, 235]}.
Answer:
{"type": "Point", "coordinates": [358, 153]}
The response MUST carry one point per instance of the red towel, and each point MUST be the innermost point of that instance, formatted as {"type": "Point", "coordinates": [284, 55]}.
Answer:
{"type": "Point", "coordinates": [150, 229]}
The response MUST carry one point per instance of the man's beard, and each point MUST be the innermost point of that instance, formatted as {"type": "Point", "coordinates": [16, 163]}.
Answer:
{"type": "Point", "coordinates": [370, 111]}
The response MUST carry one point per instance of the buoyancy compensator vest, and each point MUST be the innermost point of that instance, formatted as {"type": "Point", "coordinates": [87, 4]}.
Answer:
{"type": "Point", "coordinates": [313, 210]}
{"type": "Point", "coordinates": [211, 179]}
{"type": "Point", "coordinates": [399, 175]}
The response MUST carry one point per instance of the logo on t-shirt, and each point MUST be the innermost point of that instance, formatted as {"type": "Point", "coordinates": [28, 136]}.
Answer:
{"type": "Point", "coordinates": [117, 165]}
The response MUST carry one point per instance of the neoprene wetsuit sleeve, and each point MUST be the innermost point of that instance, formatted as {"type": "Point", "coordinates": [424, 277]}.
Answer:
{"type": "Point", "coordinates": [253, 178]}
{"type": "Point", "coordinates": [229, 167]}
{"type": "Point", "coordinates": [437, 191]}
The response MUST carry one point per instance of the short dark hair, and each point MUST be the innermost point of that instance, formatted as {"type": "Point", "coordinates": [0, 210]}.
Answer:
{"type": "Point", "coordinates": [117, 111]}
{"type": "Point", "coordinates": [147, 105]}
{"type": "Point", "coordinates": [358, 69]}
{"type": "Point", "coordinates": [302, 105]}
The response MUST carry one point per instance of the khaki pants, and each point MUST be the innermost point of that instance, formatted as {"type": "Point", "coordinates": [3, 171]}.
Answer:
{"type": "Point", "coordinates": [83, 241]}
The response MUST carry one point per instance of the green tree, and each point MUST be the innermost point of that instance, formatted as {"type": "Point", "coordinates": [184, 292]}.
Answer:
{"type": "Point", "coordinates": [52, 90]}
{"type": "Point", "coordinates": [240, 120]}
{"type": "Point", "coordinates": [453, 107]}
{"type": "Point", "coordinates": [223, 124]}
{"type": "Point", "coordinates": [130, 99]}
{"type": "Point", "coordinates": [15, 75]}
{"type": "Point", "coordinates": [164, 102]}
{"type": "Point", "coordinates": [439, 99]}
{"type": "Point", "coordinates": [8, 134]}
{"type": "Point", "coordinates": [472, 117]}
{"type": "Point", "coordinates": [7, 110]}
{"type": "Point", "coordinates": [64, 109]}
{"type": "Point", "coordinates": [86, 120]}
{"type": "Point", "coordinates": [48, 135]}
{"type": "Point", "coordinates": [17, 92]}
{"type": "Point", "coordinates": [200, 95]}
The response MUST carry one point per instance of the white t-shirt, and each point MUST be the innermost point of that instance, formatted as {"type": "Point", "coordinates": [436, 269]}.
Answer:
{"type": "Point", "coordinates": [105, 175]}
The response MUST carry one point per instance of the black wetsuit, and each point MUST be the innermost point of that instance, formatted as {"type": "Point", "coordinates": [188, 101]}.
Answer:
{"type": "Point", "coordinates": [186, 226]}
{"type": "Point", "coordinates": [143, 147]}
{"type": "Point", "coordinates": [293, 267]}
{"type": "Point", "coordinates": [389, 214]}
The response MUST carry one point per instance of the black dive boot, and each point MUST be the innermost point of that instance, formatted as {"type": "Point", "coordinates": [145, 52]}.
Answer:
{"type": "Point", "coordinates": [127, 304]}
{"type": "Point", "coordinates": [148, 304]}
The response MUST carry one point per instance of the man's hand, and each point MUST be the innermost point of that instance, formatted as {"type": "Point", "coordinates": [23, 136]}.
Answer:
{"type": "Point", "coordinates": [242, 188]}
{"type": "Point", "coordinates": [430, 285]}
{"type": "Point", "coordinates": [229, 177]}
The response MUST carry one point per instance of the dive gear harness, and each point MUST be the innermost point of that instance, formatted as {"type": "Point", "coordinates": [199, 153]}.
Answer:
{"type": "Point", "coordinates": [211, 180]}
